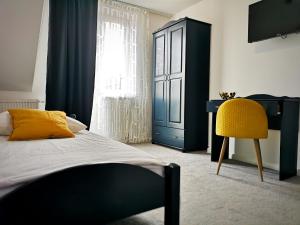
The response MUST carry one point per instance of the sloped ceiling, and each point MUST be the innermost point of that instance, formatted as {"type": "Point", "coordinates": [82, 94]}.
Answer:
{"type": "Point", "coordinates": [19, 34]}
{"type": "Point", "coordinates": [169, 7]}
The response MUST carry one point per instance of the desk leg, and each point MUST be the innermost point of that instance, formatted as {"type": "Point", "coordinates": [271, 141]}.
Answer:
{"type": "Point", "coordinates": [289, 140]}
{"type": "Point", "coordinates": [216, 142]}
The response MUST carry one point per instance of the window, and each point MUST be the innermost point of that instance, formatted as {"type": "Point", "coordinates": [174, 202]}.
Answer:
{"type": "Point", "coordinates": [122, 94]}
{"type": "Point", "coordinates": [116, 65]}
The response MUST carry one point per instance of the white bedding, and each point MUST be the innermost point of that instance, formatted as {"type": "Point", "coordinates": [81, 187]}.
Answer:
{"type": "Point", "coordinates": [23, 161]}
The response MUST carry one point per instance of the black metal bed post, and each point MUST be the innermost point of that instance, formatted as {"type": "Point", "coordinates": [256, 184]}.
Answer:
{"type": "Point", "coordinates": [172, 194]}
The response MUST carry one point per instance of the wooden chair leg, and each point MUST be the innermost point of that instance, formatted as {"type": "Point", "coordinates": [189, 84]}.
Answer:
{"type": "Point", "coordinates": [224, 145]}
{"type": "Point", "coordinates": [258, 158]}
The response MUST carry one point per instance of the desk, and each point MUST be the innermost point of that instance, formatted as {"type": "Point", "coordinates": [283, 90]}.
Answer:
{"type": "Point", "coordinates": [283, 115]}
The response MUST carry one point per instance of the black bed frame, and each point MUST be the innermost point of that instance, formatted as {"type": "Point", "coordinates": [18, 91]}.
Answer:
{"type": "Point", "coordinates": [93, 195]}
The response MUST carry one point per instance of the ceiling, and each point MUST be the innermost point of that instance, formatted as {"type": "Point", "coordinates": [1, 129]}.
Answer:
{"type": "Point", "coordinates": [20, 27]}
{"type": "Point", "coordinates": [168, 7]}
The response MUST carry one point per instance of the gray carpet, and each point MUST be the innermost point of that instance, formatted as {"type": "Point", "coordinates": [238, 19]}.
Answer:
{"type": "Point", "coordinates": [236, 197]}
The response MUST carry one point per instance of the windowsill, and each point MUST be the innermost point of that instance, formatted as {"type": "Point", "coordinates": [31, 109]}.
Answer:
{"type": "Point", "coordinates": [118, 98]}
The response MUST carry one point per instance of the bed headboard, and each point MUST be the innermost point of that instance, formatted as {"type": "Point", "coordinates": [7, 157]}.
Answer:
{"type": "Point", "coordinates": [21, 103]}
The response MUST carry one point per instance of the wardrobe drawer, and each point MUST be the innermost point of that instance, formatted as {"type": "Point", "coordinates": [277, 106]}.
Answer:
{"type": "Point", "coordinates": [168, 136]}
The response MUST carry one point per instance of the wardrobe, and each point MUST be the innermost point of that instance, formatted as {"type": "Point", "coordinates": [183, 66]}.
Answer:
{"type": "Point", "coordinates": [181, 58]}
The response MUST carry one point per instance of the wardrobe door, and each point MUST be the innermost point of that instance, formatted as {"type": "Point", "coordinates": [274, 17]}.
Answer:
{"type": "Point", "coordinates": [176, 75]}
{"type": "Point", "coordinates": [159, 78]}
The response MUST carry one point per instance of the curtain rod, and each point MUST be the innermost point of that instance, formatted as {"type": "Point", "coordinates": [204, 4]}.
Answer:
{"type": "Point", "coordinates": [150, 10]}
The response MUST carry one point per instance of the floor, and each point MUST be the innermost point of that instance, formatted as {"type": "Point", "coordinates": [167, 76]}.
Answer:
{"type": "Point", "coordinates": [236, 197]}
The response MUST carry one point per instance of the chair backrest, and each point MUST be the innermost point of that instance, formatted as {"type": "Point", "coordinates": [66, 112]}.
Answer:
{"type": "Point", "coordinates": [242, 118]}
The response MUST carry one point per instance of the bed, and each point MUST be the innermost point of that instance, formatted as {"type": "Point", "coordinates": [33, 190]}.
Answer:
{"type": "Point", "coordinates": [88, 179]}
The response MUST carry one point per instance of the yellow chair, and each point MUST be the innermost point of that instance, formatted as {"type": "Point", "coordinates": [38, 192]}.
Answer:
{"type": "Point", "coordinates": [242, 118]}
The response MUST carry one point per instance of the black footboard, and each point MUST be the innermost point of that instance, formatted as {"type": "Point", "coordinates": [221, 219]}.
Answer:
{"type": "Point", "coordinates": [172, 194]}
{"type": "Point", "coordinates": [93, 194]}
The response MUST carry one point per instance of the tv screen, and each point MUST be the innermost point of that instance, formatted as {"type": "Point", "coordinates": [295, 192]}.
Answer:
{"type": "Point", "coordinates": [271, 18]}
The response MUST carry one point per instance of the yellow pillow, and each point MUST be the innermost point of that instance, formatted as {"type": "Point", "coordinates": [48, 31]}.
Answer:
{"type": "Point", "coordinates": [30, 124]}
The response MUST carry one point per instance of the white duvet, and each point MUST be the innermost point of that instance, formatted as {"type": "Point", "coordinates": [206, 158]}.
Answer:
{"type": "Point", "coordinates": [23, 161]}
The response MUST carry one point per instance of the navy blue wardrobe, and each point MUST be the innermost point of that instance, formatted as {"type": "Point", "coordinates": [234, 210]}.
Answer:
{"type": "Point", "coordinates": [181, 56]}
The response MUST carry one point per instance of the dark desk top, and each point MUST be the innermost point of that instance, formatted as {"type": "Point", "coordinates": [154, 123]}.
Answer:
{"type": "Point", "coordinates": [265, 97]}
{"type": "Point", "coordinates": [272, 104]}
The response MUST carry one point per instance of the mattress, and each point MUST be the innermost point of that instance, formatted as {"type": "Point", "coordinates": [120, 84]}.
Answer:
{"type": "Point", "coordinates": [24, 161]}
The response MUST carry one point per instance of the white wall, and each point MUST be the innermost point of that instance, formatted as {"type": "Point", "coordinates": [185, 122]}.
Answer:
{"type": "Point", "coordinates": [38, 81]}
{"type": "Point", "coordinates": [271, 66]}
{"type": "Point", "coordinates": [157, 21]}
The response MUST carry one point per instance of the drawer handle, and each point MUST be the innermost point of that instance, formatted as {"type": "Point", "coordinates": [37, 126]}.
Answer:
{"type": "Point", "coordinates": [157, 133]}
{"type": "Point", "coordinates": [176, 137]}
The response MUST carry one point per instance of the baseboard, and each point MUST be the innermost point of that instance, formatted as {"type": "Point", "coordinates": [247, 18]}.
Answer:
{"type": "Point", "coordinates": [253, 161]}
{"type": "Point", "coordinates": [267, 165]}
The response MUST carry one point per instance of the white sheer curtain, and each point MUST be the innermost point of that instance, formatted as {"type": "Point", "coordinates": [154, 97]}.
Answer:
{"type": "Point", "coordinates": [122, 96]}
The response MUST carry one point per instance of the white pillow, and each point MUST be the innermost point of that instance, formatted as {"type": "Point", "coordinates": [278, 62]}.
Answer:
{"type": "Point", "coordinates": [6, 128]}
{"type": "Point", "coordinates": [74, 125]}
{"type": "Point", "coordinates": [5, 124]}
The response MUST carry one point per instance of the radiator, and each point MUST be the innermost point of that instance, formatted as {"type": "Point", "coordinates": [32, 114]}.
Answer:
{"type": "Point", "coordinates": [14, 104]}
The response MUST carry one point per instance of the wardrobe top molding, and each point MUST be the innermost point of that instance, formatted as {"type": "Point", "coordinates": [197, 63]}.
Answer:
{"type": "Point", "coordinates": [173, 22]}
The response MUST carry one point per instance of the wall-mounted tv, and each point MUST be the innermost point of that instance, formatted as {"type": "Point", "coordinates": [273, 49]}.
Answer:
{"type": "Point", "coordinates": [272, 18]}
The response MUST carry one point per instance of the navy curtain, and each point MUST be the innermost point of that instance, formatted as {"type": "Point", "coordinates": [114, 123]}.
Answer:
{"type": "Point", "coordinates": [71, 57]}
